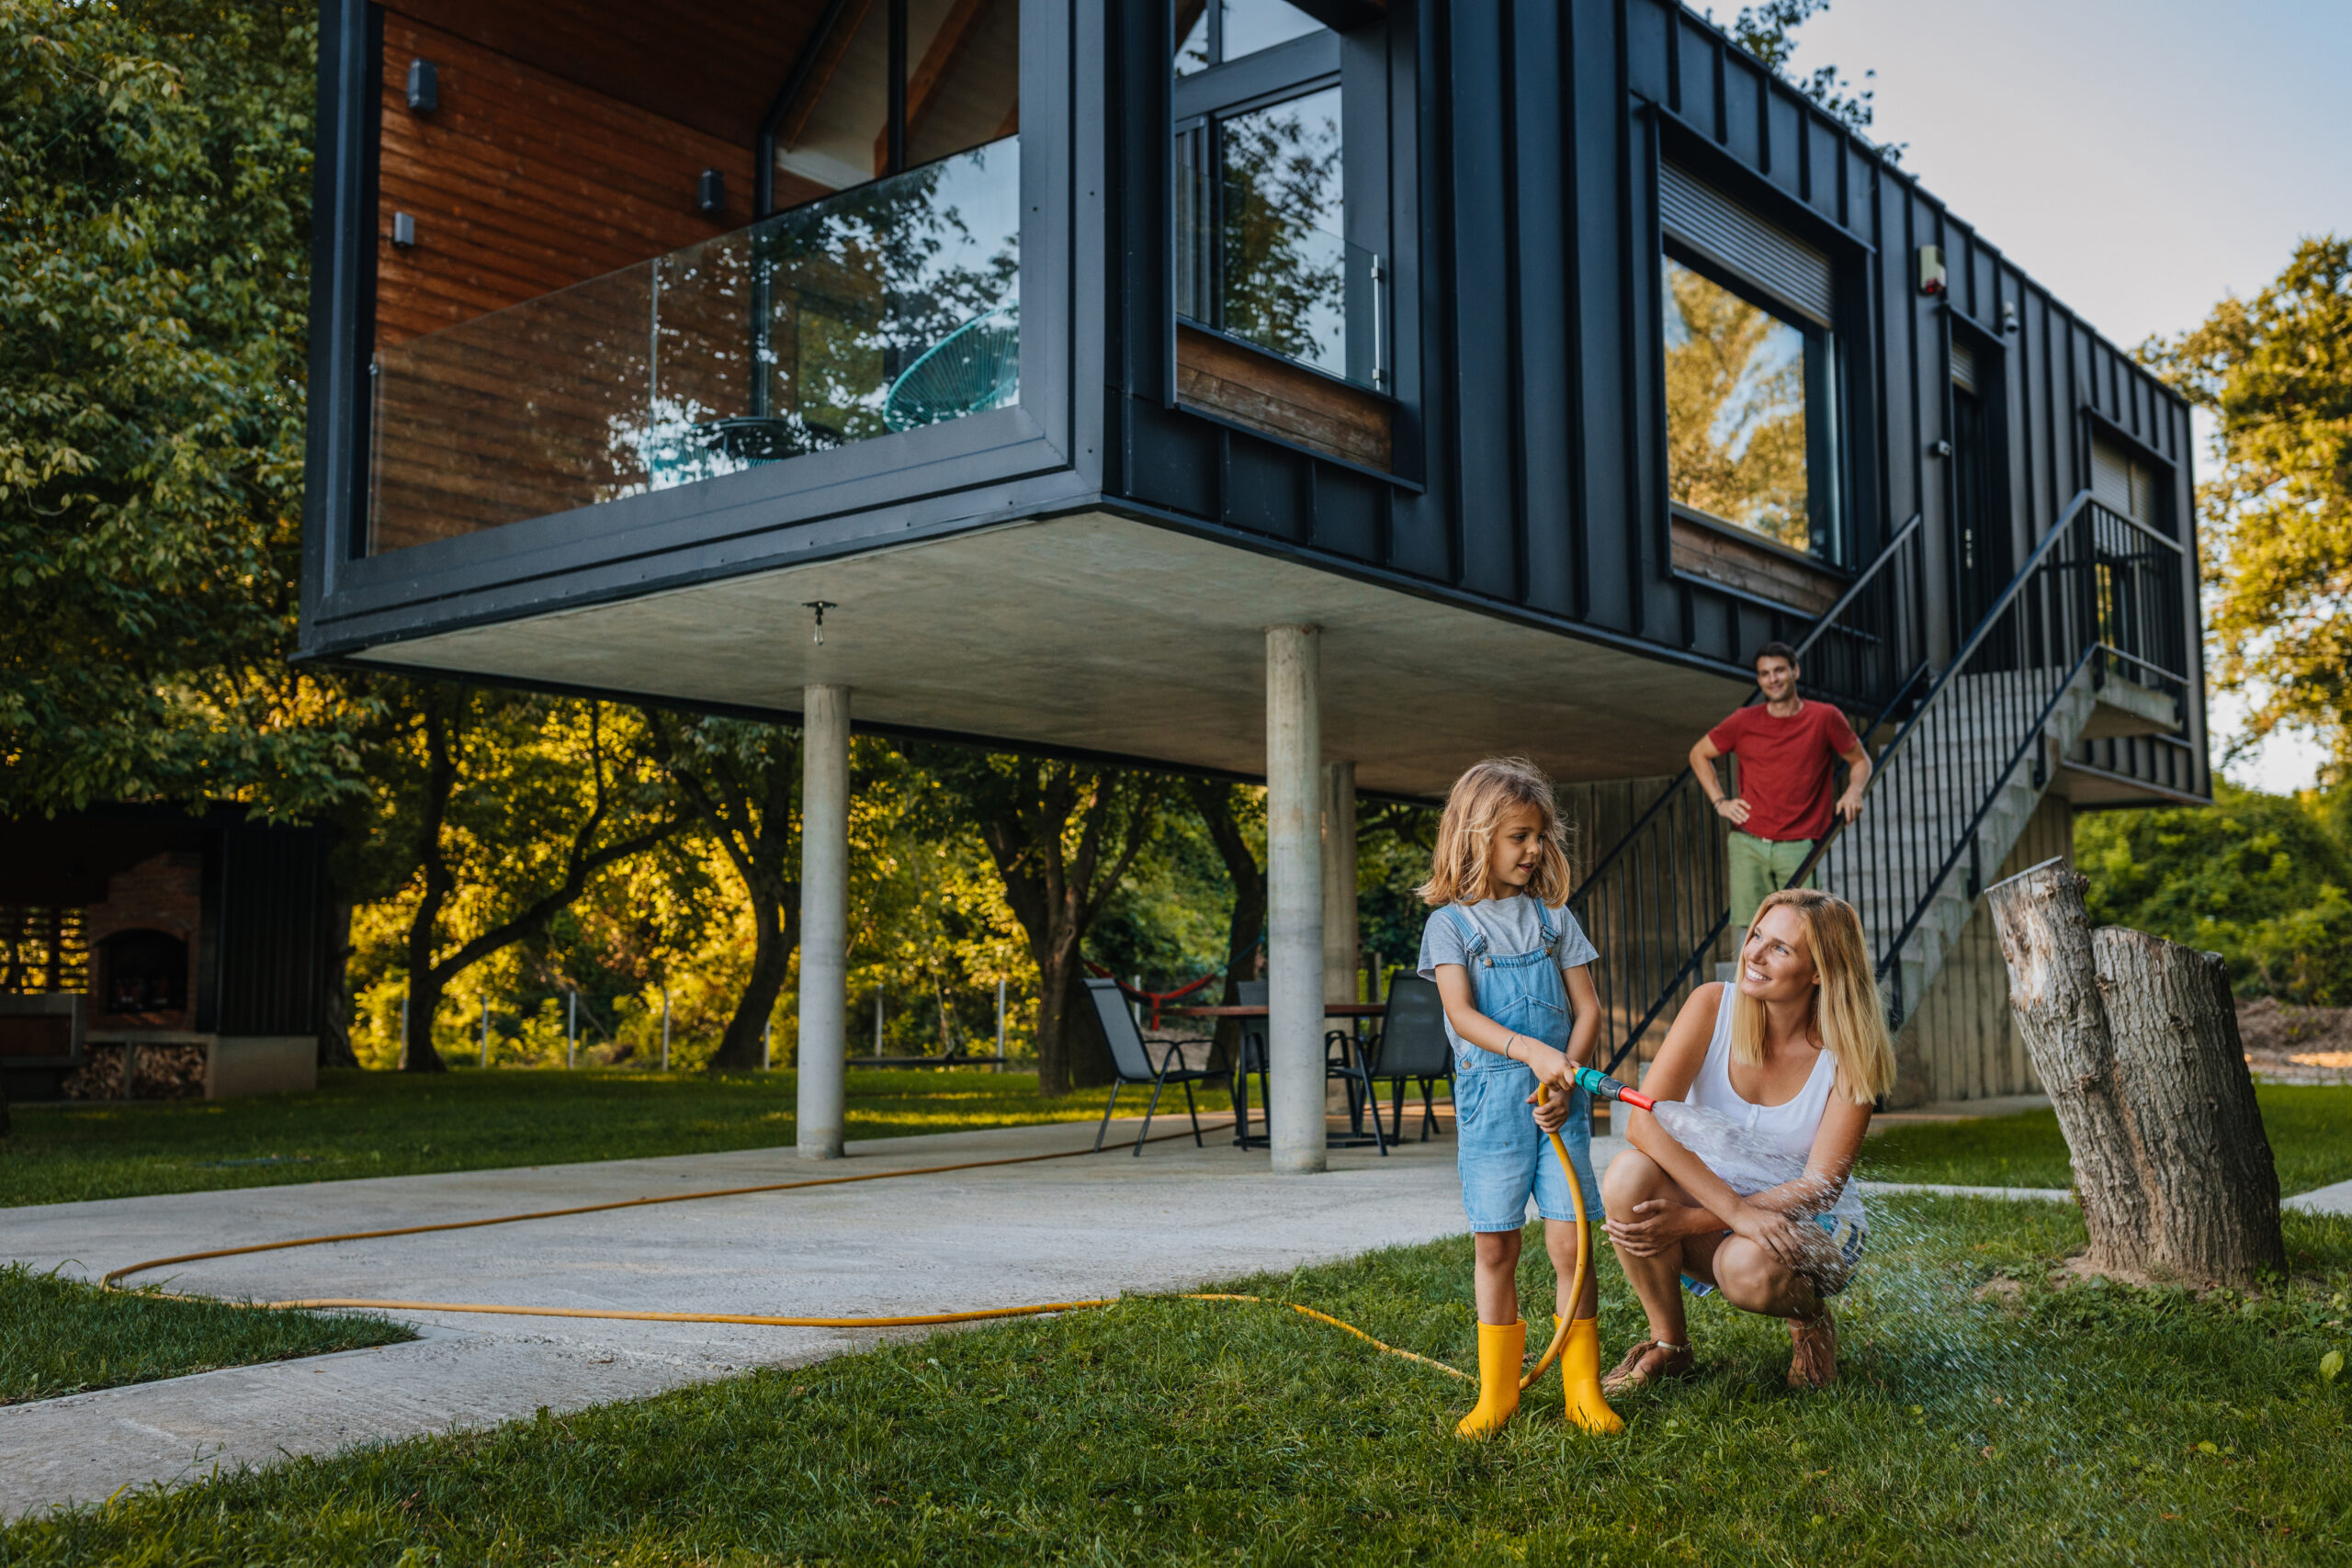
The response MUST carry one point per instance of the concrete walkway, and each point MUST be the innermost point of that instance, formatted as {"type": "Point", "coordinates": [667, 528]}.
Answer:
{"type": "Point", "coordinates": [1057, 1231]}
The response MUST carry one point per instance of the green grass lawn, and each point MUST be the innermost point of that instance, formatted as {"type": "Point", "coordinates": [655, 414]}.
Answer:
{"type": "Point", "coordinates": [361, 1123]}
{"type": "Point", "coordinates": [59, 1336]}
{"type": "Point", "coordinates": [2309, 1130]}
{"type": "Point", "coordinates": [2092, 1423]}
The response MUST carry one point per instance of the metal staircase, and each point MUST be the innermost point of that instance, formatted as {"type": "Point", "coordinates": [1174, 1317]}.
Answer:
{"type": "Point", "coordinates": [2088, 639]}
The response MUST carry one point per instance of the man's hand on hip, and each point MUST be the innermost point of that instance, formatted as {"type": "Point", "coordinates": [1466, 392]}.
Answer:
{"type": "Point", "coordinates": [1734, 810]}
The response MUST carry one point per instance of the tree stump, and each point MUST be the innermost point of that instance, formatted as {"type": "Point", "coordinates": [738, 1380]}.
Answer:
{"type": "Point", "coordinates": [2135, 1040]}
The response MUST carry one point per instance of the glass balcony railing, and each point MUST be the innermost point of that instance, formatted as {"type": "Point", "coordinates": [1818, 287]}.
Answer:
{"type": "Point", "coordinates": [888, 307]}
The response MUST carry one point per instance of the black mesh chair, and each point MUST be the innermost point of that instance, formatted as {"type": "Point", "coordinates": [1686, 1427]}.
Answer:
{"type": "Point", "coordinates": [1412, 1044]}
{"type": "Point", "coordinates": [1131, 1059]}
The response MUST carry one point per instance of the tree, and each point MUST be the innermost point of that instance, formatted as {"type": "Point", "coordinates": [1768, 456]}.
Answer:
{"type": "Point", "coordinates": [738, 779]}
{"type": "Point", "coordinates": [519, 804]}
{"type": "Point", "coordinates": [154, 179]}
{"type": "Point", "coordinates": [2276, 374]}
{"type": "Point", "coordinates": [2260, 879]}
{"type": "Point", "coordinates": [1225, 810]}
{"type": "Point", "coordinates": [1768, 32]}
{"type": "Point", "coordinates": [1062, 836]}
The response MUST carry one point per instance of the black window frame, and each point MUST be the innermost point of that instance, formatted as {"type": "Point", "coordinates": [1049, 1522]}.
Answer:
{"type": "Point", "coordinates": [1200, 102]}
{"type": "Point", "coordinates": [1829, 517]}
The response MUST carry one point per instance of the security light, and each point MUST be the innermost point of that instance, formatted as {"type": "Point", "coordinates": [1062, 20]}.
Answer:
{"type": "Point", "coordinates": [710, 193]}
{"type": "Point", "coordinates": [1931, 271]}
{"type": "Point", "coordinates": [405, 231]}
{"type": "Point", "coordinates": [423, 86]}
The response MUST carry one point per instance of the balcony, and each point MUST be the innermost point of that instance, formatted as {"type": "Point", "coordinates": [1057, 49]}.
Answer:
{"type": "Point", "coordinates": [872, 313]}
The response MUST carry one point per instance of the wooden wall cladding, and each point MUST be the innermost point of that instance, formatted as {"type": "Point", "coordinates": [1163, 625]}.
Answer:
{"type": "Point", "coordinates": [522, 183]}
{"type": "Point", "coordinates": [1286, 402]}
{"type": "Point", "coordinates": [1721, 555]}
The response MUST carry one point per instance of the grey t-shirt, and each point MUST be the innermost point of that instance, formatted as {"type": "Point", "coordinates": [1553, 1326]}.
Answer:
{"type": "Point", "coordinates": [1511, 927]}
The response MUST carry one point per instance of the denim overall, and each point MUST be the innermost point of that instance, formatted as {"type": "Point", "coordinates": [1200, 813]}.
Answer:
{"type": "Point", "coordinates": [1504, 1156]}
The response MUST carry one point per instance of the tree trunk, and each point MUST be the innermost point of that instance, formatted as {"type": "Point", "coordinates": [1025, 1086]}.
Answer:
{"type": "Point", "coordinates": [2053, 989]}
{"type": "Point", "coordinates": [2205, 1161]}
{"type": "Point", "coordinates": [2135, 1041]}
{"type": "Point", "coordinates": [739, 1049]}
{"type": "Point", "coordinates": [1215, 803]}
{"type": "Point", "coordinates": [334, 1024]}
{"type": "Point", "coordinates": [424, 992]}
{"type": "Point", "coordinates": [1071, 1053]}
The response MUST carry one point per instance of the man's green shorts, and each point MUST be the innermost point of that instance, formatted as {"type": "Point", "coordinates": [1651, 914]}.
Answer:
{"type": "Point", "coordinates": [1761, 867]}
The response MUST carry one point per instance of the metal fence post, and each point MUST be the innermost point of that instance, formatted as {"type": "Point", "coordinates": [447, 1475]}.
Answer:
{"type": "Point", "coordinates": [767, 1047]}
{"type": "Point", "coordinates": [485, 1029]}
{"type": "Point", "coordinates": [665, 1029]}
{"type": "Point", "coordinates": [572, 1030]}
{"type": "Point", "coordinates": [999, 1027]}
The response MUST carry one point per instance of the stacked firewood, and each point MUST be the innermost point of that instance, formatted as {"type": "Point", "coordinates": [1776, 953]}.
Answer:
{"type": "Point", "coordinates": [164, 1072]}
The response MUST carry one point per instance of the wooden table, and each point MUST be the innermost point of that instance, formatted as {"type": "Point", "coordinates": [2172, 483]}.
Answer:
{"type": "Point", "coordinates": [1242, 1136]}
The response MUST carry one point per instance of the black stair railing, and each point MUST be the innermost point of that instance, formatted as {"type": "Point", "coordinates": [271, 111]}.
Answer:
{"type": "Point", "coordinates": [1656, 904]}
{"type": "Point", "coordinates": [2100, 594]}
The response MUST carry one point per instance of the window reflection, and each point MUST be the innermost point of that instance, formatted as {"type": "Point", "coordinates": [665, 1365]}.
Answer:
{"type": "Point", "coordinates": [1284, 262]}
{"type": "Point", "coordinates": [1736, 383]}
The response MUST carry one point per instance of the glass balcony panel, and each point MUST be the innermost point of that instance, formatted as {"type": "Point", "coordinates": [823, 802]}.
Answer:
{"type": "Point", "coordinates": [888, 307]}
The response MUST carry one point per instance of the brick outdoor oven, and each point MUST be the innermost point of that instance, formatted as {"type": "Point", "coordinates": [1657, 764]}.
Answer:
{"type": "Point", "coordinates": [150, 953]}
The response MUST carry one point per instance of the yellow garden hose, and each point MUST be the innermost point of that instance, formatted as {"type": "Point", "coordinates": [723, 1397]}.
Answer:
{"type": "Point", "coordinates": [1584, 1255]}
{"type": "Point", "coordinates": [114, 1278]}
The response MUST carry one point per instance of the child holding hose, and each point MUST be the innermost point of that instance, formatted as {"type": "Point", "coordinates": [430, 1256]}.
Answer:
{"type": "Point", "coordinates": [1510, 966]}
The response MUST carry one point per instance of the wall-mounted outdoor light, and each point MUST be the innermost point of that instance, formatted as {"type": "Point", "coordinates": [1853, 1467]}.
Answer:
{"type": "Point", "coordinates": [2008, 315]}
{"type": "Point", "coordinates": [405, 231]}
{"type": "Point", "coordinates": [710, 193]}
{"type": "Point", "coordinates": [1931, 271]}
{"type": "Point", "coordinates": [423, 86]}
{"type": "Point", "coordinates": [1939, 449]}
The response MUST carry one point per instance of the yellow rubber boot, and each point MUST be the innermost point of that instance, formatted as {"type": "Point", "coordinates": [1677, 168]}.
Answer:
{"type": "Point", "coordinates": [1580, 1372]}
{"type": "Point", "coordinates": [1501, 1350]}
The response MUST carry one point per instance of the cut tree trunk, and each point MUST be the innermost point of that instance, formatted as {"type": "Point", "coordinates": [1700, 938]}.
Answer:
{"type": "Point", "coordinates": [2135, 1040]}
{"type": "Point", "coordinates": [2205, 1161]}
{"type": "Point", "coordinates": [2053, 989]}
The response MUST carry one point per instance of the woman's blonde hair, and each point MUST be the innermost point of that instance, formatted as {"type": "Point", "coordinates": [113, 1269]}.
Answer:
{"type": "Point", "coordinates": [1847, 1012]}
{"type": "Point", "coordinates": [1461, 870]}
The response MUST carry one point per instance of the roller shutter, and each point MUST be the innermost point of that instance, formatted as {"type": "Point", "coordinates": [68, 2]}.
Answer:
{"type": "Point", "coordinates": [1765, 254]}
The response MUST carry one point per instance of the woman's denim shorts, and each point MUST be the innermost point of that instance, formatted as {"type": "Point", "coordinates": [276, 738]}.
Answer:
{"type": "Point", "coordinates": [1504, 1158]}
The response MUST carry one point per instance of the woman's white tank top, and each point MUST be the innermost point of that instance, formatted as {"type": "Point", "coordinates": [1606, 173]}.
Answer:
{"type": "Point", "coordinates": [1789, 1128]}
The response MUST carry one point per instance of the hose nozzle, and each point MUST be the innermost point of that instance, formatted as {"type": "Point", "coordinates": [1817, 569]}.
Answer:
{"type": "Point", "coordinates": [1601, 1086]}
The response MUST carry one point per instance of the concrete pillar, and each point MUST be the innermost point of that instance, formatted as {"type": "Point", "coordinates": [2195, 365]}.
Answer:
{"type": "Point", "coordinates": [1294, 898]}
{"type": "Point", "coordinates": [1339, 937]}
{"type": "Point", "coordinates": [824, 918]}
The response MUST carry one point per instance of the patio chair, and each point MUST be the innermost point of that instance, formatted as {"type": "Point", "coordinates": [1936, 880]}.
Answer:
{"type": "Point", "coordinates": [1131, 1060]}
{"type": "Point", "coordinates": [1412, 1044]}
{"type": "Point", "coordinates": [1343, 1059]}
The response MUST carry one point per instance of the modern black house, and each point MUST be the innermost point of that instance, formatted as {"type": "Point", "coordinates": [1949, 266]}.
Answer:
{"type": "Point", "coordinates": [1330, 392]}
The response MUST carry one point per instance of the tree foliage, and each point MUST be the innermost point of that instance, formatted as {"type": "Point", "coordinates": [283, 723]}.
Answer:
{"type": "Point", "coordinates": [1735, 409]}
{"type": "Point", "coordinates": [154, 220]}
{"type": "Point", "coordinates": [2277, 373]}
{"type": "Point", "coordinates": [2263, 880]}
{"type": "Point", "coordinates": [1769, 32]}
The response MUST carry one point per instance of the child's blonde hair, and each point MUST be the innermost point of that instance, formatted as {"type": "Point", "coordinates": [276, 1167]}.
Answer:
{"type": "Point", "coordinates": [1460, 870]}
{"type": "Point", "coordinates": [1846, 1011]}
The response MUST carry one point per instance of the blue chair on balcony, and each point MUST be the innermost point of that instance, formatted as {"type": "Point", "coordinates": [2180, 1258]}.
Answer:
{"type": "Point", "coordinates": [975, 366]}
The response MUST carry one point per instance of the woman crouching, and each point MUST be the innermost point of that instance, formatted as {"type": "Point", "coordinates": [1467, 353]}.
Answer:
{"type": "Point", "coordinates": [1796, 1052]}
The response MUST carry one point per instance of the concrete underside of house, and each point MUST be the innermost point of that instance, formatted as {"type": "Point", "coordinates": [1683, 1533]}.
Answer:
{"type": "Point", "coordinates": [1101, 634]}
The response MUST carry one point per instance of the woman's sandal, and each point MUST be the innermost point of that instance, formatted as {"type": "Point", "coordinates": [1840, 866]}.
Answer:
{"type": "Point", "coordinates": [1652, 1360]}
{"type": "Point", "coordinates": [1814, 1343]}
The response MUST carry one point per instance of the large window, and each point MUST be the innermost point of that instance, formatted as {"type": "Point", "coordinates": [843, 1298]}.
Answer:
{"type": "Point", "coordinates": [1750, 374]}
{"type": "Point", "coordinates": [1262, 247]}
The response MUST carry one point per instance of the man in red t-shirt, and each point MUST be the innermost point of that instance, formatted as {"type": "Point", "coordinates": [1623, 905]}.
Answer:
{"type": "Point", "coordinates": [1788, 749]}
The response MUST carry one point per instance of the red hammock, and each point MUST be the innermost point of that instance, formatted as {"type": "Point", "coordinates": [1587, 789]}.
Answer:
{"type": "Point", "coordinates": [1157, 999]}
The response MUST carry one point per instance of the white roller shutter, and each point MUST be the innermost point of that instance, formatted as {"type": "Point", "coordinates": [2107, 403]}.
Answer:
{"type": "Point", "coordinates": [2121, 482]}
{"type": "Point", "coordinates": [1963, 367]}
{"type": "Point", "coordinates": [1726, 233]}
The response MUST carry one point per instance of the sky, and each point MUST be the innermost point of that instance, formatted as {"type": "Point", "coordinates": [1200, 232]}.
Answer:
{"type": "Point", "coordinates": [2142, 159]}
